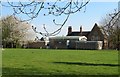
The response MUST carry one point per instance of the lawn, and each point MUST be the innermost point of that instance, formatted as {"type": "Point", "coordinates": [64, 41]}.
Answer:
{"type": "Point", "coordinates": [59, 62]}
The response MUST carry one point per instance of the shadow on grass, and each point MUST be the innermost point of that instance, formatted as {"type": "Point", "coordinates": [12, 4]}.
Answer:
{"type": "Point", "coordinates": [85, 64]}
{"type": "Point", "coordinates": [17, 72]}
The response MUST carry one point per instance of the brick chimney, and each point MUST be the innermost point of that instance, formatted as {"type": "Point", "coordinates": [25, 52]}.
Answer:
{"type": "Point", "coordinates": [80, 30]}
{"type": "Point", "coordinates": [69, 30]}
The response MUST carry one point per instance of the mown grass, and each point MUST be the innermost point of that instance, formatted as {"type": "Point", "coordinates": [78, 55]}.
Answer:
{"type": "Point", "coordinates": [59, 62]}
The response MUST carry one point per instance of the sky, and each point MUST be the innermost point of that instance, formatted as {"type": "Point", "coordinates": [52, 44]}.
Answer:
{"type": "Point", "coordinates": [95, 12]}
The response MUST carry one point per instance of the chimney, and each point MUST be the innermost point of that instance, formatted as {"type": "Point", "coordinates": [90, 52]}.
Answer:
{"type": "Point", "coordinates": [80, 30]}
{"type": "Point", "coordinates": [69, 30]}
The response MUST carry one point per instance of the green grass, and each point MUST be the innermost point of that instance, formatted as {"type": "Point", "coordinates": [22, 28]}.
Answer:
{"type": "Point", "coordinates": [59, 62]}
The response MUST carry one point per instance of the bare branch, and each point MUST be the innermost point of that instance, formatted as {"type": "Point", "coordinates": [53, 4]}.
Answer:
{"type": "Point", "coordinates": [33, 9]}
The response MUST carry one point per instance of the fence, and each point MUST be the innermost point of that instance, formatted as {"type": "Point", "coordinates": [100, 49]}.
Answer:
{"type": "Point", "coordinates": [89, 45]}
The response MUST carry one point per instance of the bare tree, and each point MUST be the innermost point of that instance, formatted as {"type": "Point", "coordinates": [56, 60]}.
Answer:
{"type": "Point", "coordinates": [33, 8]}
{"type": "Point", "coordinates": [112, 28]}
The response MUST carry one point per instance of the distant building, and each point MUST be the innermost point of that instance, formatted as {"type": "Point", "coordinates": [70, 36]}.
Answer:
{"type": "Point", "coordinates": [94, 39]}
{"type": "Point", "coordinates": [96, 34]}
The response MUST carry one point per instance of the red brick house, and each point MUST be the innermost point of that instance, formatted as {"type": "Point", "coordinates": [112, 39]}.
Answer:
{"type": "Point", "coordinates": [96, 34]}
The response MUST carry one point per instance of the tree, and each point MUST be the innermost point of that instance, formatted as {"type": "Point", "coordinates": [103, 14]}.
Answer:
{"type": "Point", "coordinates": [33, 8]}
{"type": "Point", "coordinates": [13, 31]}
{"type": "Point", "coordinates": [111, 25]}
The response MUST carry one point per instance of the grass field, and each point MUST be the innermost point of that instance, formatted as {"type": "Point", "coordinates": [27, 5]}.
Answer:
{"type": "Point", "coordinates": [59, 62]}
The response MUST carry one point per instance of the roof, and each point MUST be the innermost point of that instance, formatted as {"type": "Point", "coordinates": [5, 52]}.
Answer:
{"type": "Point", "coordinates": [77, 33]}
{"type": "Point", "coordinates": [101, 29]}
{"type": "Point", "coordinates": [68, 37]}
{"type": "Point", "coordinates": [86, 33]}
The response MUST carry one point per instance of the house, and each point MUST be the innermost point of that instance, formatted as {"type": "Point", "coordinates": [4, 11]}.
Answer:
{"type": "Point", "coordinates": [96, 34]}
{"type": "Point", "coordinates": [94, 39]}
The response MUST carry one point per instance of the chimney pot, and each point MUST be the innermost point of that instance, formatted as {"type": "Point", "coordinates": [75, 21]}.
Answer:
{"type": "Point", "coordinates": [80, 30]}
{"type": "Point", "coordinates": [69, 30]}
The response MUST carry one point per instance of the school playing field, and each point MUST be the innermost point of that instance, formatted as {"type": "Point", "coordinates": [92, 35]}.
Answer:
{"type": "Point", "coordinates": [59, 62]}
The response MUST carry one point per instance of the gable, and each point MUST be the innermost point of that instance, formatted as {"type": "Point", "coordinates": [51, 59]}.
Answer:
{"type": "Point", "coordinates": [96, 33]}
